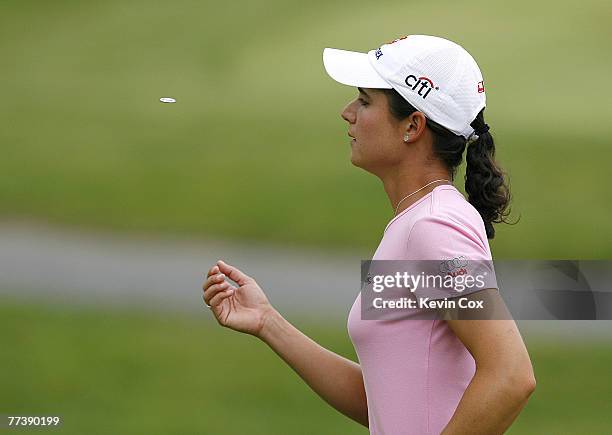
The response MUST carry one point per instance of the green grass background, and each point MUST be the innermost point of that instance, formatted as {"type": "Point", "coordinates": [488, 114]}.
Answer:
{"type": "Point", "coordinates": [255, 147]}
{"type": "Point", "coordinates": [255, 150]}
{"type": "Point", "coordinates": [144, 372]}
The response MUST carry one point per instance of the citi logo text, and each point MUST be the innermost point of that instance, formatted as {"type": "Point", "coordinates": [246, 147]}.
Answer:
{"type": "Point", "coordinates": [421, 85]}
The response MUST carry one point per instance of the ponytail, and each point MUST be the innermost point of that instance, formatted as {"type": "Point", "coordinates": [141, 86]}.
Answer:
{"type": "Point", "coordinates": [485, 184]}
{"type": "Point", "coordinates": [487, 189]}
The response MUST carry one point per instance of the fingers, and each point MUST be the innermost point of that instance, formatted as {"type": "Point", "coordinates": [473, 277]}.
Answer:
{"type": "Point", "coordinates": [213, 279]}
{"type": "Point", "coordinates": [213, 270]}
{"type": "Point", "coordinates": [233, 273]}
{"type": "Point", "coordinates": [220, 296]}
{"type": "Point", "coordinates": [214, 289]}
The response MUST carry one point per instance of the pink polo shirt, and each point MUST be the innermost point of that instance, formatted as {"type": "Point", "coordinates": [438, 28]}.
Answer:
{"type": "Point", "coordinates": [415, 371]}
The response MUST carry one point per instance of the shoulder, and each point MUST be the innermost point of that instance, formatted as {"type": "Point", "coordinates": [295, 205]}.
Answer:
{"type": "Point", "coordinates": [451, 228]}
{"type": "Point", "coordinates": [450, 204]}
{"type": "Point", "coordinates": [442, 225]}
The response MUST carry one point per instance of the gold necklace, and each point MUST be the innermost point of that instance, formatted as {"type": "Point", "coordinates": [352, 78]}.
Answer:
{"type": "Point", "coordinates": [409, 195]}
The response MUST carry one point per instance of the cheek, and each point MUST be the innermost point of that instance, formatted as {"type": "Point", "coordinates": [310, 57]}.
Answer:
{"type": "Point", "coordinates": [374, 131]}
{"type": "Point", "coordinates": [368, 127]}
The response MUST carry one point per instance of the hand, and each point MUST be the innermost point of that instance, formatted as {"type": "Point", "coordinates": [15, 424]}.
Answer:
{"type": "Point", "coordinates": [243, 308]}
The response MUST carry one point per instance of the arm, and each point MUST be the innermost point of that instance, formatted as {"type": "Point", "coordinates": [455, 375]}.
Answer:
{"type": "Point", "coordinates": [334, 378]}
{"type": "Point", "coordinates": [245, 308]}
{"type": "Point", "coordinates": [504, 377]}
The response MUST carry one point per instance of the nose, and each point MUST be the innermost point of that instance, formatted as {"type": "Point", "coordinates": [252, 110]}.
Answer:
{"type": "Point", "coordinates": [348, 113]}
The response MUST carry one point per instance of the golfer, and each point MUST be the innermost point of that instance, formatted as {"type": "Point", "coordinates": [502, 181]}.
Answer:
{"type": "Point", "coordinates": [420, 104]}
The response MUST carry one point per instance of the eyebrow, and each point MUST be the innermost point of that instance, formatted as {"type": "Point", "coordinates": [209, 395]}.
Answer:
{"type": "Point", "coordinates": [363, 92]}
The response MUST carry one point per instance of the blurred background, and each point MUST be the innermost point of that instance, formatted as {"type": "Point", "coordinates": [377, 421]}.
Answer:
{"type": "Point", "coordinates": [113, 205]}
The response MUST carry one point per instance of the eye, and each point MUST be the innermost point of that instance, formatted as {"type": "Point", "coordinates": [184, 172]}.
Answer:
{"type": "Point", "coordinates": [362, 101]}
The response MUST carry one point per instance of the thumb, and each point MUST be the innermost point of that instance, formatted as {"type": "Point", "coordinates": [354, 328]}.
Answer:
{"type": "Point", "coordinates": [234, 273]}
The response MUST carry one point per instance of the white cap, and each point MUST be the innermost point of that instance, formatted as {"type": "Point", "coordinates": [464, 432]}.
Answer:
{"type": "Point", "coordinates": [435, 75]}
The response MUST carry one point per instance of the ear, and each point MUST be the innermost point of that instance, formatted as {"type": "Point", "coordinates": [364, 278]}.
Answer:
{"type": "Point", "coordinates": [415, 125]}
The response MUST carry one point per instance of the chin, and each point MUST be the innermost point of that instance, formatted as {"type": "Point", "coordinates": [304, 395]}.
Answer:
{"type": "Point", "coordinates": [359, 163]}
{"type": "Point", "coordinates": [356, 162]}
{"type": "Point", "coordinates": [354, 159]}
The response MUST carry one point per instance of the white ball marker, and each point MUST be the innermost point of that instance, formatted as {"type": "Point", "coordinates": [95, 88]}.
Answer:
{"type": "Point", "coordinates": [167, 100]}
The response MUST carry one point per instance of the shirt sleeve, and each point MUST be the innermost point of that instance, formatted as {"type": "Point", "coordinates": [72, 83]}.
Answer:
{"type": "Point", "coordinates": [438, 238]}
{"type": "Point", "coordinates": [453, 257]}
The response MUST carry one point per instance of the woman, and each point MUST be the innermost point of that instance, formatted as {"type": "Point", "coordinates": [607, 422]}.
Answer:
{"type": "Point", "coordinates": [421, 102]}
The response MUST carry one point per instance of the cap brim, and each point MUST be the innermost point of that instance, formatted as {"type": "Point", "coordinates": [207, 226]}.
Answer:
{"type": "Point", "coordinates": [352, 68]}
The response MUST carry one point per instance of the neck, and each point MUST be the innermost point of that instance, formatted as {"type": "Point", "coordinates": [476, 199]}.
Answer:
{"type": "Point", "coordinates": [400, 184]}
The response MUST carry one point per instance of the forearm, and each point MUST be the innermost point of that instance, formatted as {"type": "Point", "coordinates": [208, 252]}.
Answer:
{"type": "Point", "coordinates": [489, 405]}
{"type": "Point", "coordinates": [334, 378]}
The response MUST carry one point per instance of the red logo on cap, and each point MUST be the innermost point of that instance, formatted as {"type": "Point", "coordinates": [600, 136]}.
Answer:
{"type": "Point", "coordinates": [426, 85]}
{"type": "Point", "coordinates": [481, 87]}
{"type": "Point", "coordinates": [398, 39]}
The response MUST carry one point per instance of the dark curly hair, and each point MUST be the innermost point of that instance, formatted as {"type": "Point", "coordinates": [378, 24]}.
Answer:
{"type": "Point", "coordinates": [485, 182]}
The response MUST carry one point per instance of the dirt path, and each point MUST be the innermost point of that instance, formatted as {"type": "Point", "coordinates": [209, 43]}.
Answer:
{"type": "Point", "coordinates": [47, 264]}
{"type": "Point", "coordinates": [37, 261]}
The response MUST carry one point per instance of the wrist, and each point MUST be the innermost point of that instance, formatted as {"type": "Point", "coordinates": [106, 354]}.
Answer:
{"type": "Point", "coordinates": [270, 320]}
